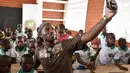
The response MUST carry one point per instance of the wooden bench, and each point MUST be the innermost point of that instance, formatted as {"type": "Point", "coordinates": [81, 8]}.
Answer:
{"type": "Point", "coordinates": [99, 69]}
{"type": "Point", "coordinates": [16, 67]}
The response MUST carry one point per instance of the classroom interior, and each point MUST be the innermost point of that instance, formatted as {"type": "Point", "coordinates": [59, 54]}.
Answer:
{"type": "Point", "coordinates": [74, 14]}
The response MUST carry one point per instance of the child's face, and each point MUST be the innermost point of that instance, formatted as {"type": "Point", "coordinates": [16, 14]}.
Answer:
{"type": "Point", "coordinates": [31, 47]}
{"type": "Point", "coordinates": [7, 45]}
{"type": "Point", "coordinates": [5, 67]}
{"type": "Point", "coordinates": [111, 40]}
{"type": "Point", "coordinates": [26, 65]}
{"type": "Point", "coordinates": [29, 34]}
{"type": "Point", "coordinates": [20, 43]}
{"type": "Point", "coordinates": [122, 44]}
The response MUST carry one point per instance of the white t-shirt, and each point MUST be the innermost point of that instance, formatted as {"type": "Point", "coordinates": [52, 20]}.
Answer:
{"type": "Point", "coordinates": [19, 33]}
{"type": "Point", "coordinates": [12, 43]}
{"type": "Point", "coordinates": [85, 55]}
{"type": "Point", "coordinates": [125, 55]}
{"type": "Point", "coordinates": [107, 55]}
{"type": "Point", "coordinates": [2, 52]}
{"type": "Point", "coordinates": [102, 38]}
{"type": "Point", "coordinates": [17, 54]}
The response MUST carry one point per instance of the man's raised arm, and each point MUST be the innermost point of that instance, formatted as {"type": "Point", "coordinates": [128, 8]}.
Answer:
{"type": "Point", "coordinates": [94, 31]}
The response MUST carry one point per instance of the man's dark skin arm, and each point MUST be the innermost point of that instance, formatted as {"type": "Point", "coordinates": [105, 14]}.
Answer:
{"type": "Point", "coordinates": [94, 31]}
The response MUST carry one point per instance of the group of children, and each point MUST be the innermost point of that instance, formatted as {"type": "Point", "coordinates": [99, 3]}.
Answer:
{"type": "Point", "coordinates": [103, 51]}
{"type": "Point", "coordinates": [19, 47]}
{"type": "Point", "coordinates": [16, 47]}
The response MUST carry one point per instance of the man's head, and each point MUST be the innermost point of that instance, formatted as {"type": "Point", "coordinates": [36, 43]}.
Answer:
{"type": "Point", "coordinates": [26, 63]}
{"type": "Point", "coordinates": [110, 39]}
{"type": "Point", "coordinates": [20, 41]}
{"type": "Point", "coordinates": [32, 47]}
{"type": "Point", "coordinates": [29, 33]}
{"type": "Point", "coordinates": [5, 64]}
{"type": "Point", "coordinates": [122, 42]}
{"type": "Point", "coordinates": [47, 32]}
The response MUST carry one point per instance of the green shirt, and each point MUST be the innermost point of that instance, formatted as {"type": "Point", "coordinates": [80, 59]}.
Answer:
{"type": "Point", "coordinates": [21, 71]}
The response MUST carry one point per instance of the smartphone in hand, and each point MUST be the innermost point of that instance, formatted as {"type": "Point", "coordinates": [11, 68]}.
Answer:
{"type": "Point", "coordinates": [111, 4]}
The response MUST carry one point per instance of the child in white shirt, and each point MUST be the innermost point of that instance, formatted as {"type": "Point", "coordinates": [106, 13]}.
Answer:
{"type": "Point", "coordinates": [27, 64]}
{"type": "Point", "coordinates": [124, 50]}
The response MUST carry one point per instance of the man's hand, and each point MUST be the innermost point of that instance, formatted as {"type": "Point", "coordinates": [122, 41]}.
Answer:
{"type": "Point", "coordinates": [111, 9]}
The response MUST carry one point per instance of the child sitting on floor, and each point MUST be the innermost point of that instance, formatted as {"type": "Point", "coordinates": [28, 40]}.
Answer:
{"type": "Point", "coordinates": [27, 64]}
{"type": "Point", "coordinates": [5, 64]}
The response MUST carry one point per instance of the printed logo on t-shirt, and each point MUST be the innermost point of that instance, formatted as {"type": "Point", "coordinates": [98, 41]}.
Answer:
{"type": "Point", "coordinates": [126, 55]}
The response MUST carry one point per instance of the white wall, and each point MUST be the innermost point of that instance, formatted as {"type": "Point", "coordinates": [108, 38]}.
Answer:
{"type": "Point", "coordinates": [30, 12]}
{"type": "Point", "coordinates": [75, 16]}
{"type": "Point", "coordinates": [120, 24]}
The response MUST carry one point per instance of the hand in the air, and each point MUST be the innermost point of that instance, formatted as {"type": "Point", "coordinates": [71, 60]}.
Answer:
{"type": "Point", "coordinates": [112, 9]}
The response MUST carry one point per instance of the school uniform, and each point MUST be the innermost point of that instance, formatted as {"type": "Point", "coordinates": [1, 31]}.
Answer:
{"type": "Point", "coordinates": [16, 53]}
{"type": "Point", "coordinates": [108, 55]}
{"type": "Point", "coordinates": [3, 52]}
{"type": "Point", "coordinates": [125, 55]}
{"type": "Point", "coordinates": [86, 56]}
{"type": "Point", "coordinates": [32, 71]}
{"type": "Point", "coordinates": [19, 33]}
{"type": "Point", "coordinates": [12, 43]}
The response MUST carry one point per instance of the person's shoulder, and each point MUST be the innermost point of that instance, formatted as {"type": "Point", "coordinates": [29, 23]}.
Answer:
{"type": "Point", "coordinates": [128, 48]}
{"type": "Point", "coordinates": [100, 35]}
{"type": "Point", "coordinates": [78, 51]}
{"type": "Point", "coordinates": [116, 49]}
